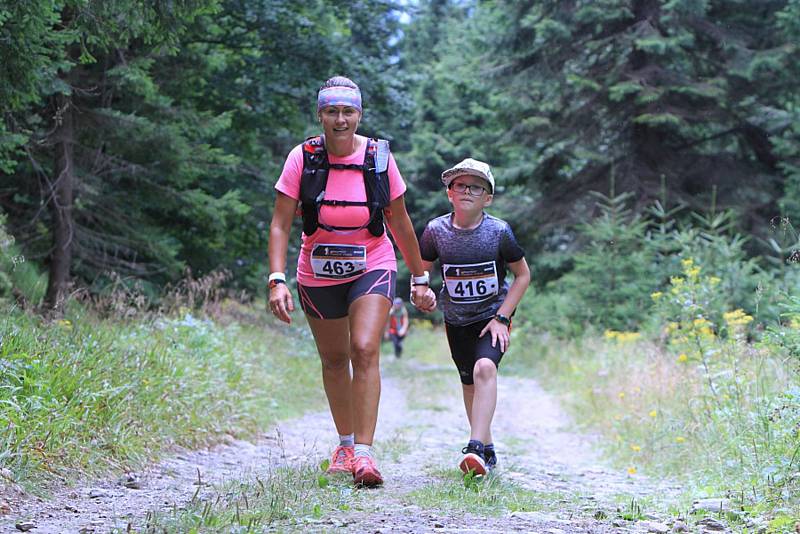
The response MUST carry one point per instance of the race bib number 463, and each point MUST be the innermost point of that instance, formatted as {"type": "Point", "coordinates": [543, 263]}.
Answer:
{"type": "Point", "coordinates": [338, 262]}
{"type": "Point", "coordinates": [473, 282]}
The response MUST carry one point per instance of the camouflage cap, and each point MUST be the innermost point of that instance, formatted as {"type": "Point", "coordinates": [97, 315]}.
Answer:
{"type": "Point", "coordinates": [472, 167]}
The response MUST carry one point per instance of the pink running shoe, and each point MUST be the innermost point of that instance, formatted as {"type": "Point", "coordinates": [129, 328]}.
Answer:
{"type": "Point", "coordinates": [365, 472]}
{"type": "Point", "coordinates": [341, 460]}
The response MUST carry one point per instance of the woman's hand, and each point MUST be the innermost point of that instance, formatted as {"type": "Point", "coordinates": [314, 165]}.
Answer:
{"type": "Point", "coordinates": [423, 298]}
{"type": "Point", "coordinates": [499, 333]}
{"type": "Point", "coordinates": [281, 303]}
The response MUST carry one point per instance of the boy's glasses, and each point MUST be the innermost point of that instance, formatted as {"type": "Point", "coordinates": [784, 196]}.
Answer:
{"type": "Point", "coordinates": [471, 190]}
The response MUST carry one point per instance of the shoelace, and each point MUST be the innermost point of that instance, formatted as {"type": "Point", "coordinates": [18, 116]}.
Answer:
{"type": "Point", "coordinates": [366, 464]}
{"type": "Point", "coordinates": [470, 449]}
{"type": "Point", "coordinates": [341, 454]}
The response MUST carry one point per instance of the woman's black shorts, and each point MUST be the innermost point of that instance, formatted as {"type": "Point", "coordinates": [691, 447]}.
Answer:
{"type": "Point", "coordinates": [333, 302]}
{"type": "Point", "coordinates": [467, 348]}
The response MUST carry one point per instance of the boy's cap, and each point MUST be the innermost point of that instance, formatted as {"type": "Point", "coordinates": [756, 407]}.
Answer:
{"type": "Point", "coordinates": [469, 166]}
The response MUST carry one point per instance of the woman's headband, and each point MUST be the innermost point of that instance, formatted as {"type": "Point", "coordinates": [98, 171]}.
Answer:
{"type": "Point", "coordinates": [339, 96]}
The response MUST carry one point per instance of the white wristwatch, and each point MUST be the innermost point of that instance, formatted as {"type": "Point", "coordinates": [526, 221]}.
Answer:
{"type": "Point", "coordinates": [424, 280]}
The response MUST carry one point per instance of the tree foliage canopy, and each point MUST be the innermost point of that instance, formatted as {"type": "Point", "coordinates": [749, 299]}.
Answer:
{"type": "Point", "coordinates": [145, 138]}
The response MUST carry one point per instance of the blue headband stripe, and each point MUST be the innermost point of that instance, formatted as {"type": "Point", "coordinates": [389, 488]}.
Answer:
{"type": "Point", "coordinates": [339, 96]}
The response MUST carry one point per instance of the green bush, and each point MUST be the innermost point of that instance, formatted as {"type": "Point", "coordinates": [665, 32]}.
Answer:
{"type": "Point", "coordinates": [627, 257]}
{"type": "Point", "coordinates": [612, 277]}
{"type": "Point", "coordinates": [16, 273]}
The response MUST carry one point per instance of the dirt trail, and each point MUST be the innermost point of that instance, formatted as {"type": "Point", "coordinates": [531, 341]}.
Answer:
{"type": "Point", "coordinates": [535, 448]}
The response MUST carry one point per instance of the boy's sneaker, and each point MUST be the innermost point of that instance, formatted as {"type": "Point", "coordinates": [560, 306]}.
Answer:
{"type": "Point", "coordinates": [341, 460]}
{"type": "Point", "coordinates": [365, 472]}
{"type": "Point", "coordinates": [473, 458]}
{"type": "Point", "coordinates": [490, 458]}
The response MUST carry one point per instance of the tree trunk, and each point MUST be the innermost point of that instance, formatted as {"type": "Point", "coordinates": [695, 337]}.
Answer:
{"type": "Point", "coordinates": [60, 198]}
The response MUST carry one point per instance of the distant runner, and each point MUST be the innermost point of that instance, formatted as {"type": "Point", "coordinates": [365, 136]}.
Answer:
{"type": "Point", "coordinates": [397, 327]}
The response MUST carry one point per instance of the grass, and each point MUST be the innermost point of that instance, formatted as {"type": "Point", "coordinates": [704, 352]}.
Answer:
{"type": "Point", "coordinates": [83, 395]}
{"type": "Point", "coordinates": [282, 499]}
{"type": "Point", "coordinates": [722, 419]}
{"type": "Point", "coordinates": [491, 495]}
{"type": "Point", "coordinates": [397, 445]}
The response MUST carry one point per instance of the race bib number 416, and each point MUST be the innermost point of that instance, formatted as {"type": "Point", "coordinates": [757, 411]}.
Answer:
{"type": "Point", "coordinates": [473, 282]}
{"type": "Point", "coordinates": [338, 262]}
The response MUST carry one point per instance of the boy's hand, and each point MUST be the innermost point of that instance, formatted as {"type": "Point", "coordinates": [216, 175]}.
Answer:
{"type": "Point", "coordinates": [499, 333]}
{"type": "Point", "coordinates": [423, 298]}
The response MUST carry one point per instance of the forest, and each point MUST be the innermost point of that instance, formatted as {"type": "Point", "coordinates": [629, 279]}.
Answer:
{"type": "Point", "coordinates": [144, 139]}
{"type": "Point", "coordinates": [646, 152]}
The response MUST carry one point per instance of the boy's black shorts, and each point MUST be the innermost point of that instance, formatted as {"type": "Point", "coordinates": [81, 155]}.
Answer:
{"type": "Point", "coordinates": [467, 348]}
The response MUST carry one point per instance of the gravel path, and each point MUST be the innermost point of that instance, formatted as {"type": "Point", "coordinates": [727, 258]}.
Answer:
{"type": "Point", "coordinates": [536, 450]}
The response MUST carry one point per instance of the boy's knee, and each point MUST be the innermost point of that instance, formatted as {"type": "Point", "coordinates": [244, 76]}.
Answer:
{"type": "Point", "coordinates": [485, 369]}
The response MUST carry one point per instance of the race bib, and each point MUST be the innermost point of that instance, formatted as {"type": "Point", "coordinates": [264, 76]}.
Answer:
{"type": "Point", "coordinates": [474, 282]}
{"type": "Point", "coordinates": [338, 262]}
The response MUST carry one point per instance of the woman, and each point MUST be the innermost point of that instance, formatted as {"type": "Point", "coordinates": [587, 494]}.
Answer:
{"type": "Point", "coordinates": [346, 187]}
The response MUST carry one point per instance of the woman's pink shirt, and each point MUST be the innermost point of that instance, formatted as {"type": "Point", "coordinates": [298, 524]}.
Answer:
{"type": "Point", "coordinates": [342, 185]}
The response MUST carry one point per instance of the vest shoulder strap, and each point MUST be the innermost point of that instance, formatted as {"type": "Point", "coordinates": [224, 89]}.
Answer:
{"type": "Point", "coordinates": [381, 155]}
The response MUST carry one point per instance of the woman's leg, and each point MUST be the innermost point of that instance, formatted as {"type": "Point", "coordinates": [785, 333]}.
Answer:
{"type": "Point", "coordinates": [367, 317]}
{"type": "Point", "coordinates": [333, 345]}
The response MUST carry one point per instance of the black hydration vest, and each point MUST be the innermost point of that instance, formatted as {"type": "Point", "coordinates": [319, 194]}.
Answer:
{"type": "Point", "coordinates": [315, 178]}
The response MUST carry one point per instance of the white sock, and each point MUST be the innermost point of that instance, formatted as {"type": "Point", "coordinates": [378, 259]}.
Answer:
{"type": "Point", "coordinates": [346, 440]}
{"type": "Point", "coordinates": [363, 450]}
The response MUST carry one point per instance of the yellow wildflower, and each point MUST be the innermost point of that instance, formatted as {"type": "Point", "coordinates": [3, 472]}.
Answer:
{"type": "Point", "coordinates": [682, 357]}
{"type": "Point", "coordinates": [693, 272]}
{"type": "Point", "coordinates": [621, 337]}
{"type": "Point", "coordinates": [680, 439]}
{"type": "Point", "coordinates": [672, 326]}
{"type": "Point", "coordinates": [631, 470]}
{"type": "Point", "coordinates": [656, 295]}
{"type": "Point", "coordinates": [635, 448]}
{"type": "Point", "coordinates": [706, 332]}
{"type": "Point", "coordinates": [737, 318]}
{"type": "Point", "coordinates": [653, 413]}
{"type": "Point", "coordinates": [625, 337]}
{"type": "Point", "coordinates": [64, 323]}
{"type": "Point", "coordinates": [676, 280]}
{"type": "Point", "coordinates": [688, 262]}
{"type": "Point", "coordinates": [621, 394]}
{"type": "Point", "coordinates": [713, 280]}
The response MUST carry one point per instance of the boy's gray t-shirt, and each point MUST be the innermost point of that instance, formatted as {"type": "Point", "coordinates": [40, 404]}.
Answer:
{"type": "Point", "coordinates": [473, 266]}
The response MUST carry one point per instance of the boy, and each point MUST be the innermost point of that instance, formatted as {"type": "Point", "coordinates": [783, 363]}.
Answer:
{"type": "Point", "coordinates": [474, 249]}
